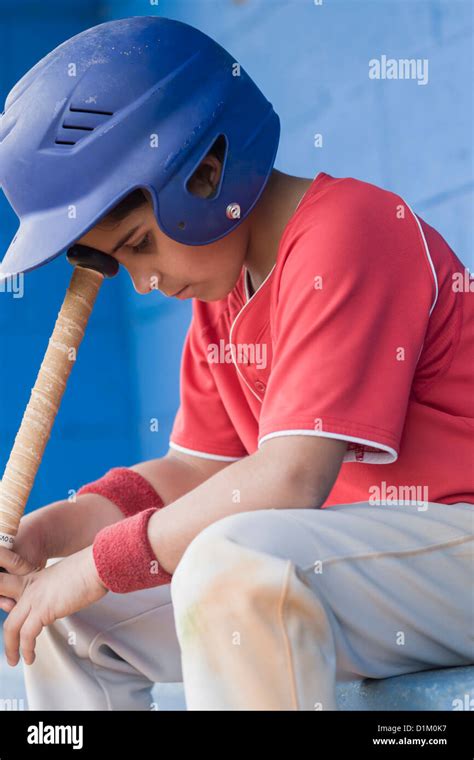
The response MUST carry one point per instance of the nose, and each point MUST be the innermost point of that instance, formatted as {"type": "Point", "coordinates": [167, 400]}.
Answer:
{"type": "Point", "coordinates": [141, 285]}
{"type": "Point", "coordinates": [144, 283]}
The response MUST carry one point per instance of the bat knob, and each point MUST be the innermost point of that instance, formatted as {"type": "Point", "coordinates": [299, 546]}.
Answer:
{"type": "Point", "coordinates": [91, 258]}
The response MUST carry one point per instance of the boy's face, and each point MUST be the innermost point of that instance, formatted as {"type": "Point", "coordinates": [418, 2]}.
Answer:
{"type": "Point", "coordinates": [155, 261]}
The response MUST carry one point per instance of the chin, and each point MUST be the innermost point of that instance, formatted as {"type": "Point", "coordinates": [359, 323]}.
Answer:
{"type": "Point", "coordinates": [217, 294]}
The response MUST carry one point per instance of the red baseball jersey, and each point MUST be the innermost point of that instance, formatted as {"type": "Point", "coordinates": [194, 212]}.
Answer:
{"type": "Point", "coordinates": [362, 331]}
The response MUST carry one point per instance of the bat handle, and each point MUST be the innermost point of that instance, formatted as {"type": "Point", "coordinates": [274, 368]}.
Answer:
{"type": "Point", "coordinates": [90, 269]}
{"type": "Point", "coordinates": [43, 405]}
{"type": "Point", "coordinates": [7, 542]}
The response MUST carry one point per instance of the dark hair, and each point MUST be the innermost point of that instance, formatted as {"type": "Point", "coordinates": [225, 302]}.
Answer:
{"type": "Point", "coordinates": [133, 200]}
{"type": "Point", "coordinates": [137, 197]}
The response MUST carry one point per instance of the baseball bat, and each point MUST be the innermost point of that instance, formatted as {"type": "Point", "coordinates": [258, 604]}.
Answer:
{"type": "Point", "coordinates": [47, 392]}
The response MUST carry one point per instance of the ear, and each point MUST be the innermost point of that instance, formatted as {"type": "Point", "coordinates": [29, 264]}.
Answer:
{"type": "Point", "coordinates": [147, 195]}
{"type": "Point", "coordinates": [206, 178]}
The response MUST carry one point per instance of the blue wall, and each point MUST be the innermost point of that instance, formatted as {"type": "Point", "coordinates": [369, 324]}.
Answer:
{"type": "Point", "coordinates": [96, 425]}
{"type": "Point", "coordinates": [312, 63]}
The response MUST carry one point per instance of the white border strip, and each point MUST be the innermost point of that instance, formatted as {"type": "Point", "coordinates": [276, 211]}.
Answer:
{"type": "Point", "coordinates": [246, 284]}
{"type": "Point", "coordinates": [428, 255]}
{"type": "Point", "coordinates": [233, 325]}
{"type": "Point", "coordinates": [203, 454]}
{"type": "Point", "coordinates": [250, 297]}
{"type": "Point", "coordinates": [387, 456]}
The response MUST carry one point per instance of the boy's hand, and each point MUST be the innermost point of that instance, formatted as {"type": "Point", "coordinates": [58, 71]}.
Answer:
{"type": "Point", "coordinates": [12, 562]}
{"type": "Point", "coordinates": [59, 529]}
{"type": "Point", "coordinates": [29, 550]}
{"type": "Point", "coordinates": [43, 596]}
{"type": "Point", "coordinates": [29, 553]}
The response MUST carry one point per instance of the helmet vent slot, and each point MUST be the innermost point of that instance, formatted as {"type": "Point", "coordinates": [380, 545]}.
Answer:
{"type": "Point", "coordinates": [78, 121]}
{"type": "Point", "coordinates": [76, 126]}
{"type": "Point", "coordinates": [91, 110]}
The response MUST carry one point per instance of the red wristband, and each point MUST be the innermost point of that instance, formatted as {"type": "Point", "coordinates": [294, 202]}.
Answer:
{"type": "Point", "coordinates": [129, 490]}
{"type": "Point", "coordinates": [124, 558]}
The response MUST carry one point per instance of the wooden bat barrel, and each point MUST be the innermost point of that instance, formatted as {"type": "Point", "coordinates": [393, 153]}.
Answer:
{"type": "Point", "coordinates": [45, 400]}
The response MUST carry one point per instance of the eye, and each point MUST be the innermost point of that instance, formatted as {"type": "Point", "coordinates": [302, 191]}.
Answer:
{"type": "Point", "coordinates": [142, 245]}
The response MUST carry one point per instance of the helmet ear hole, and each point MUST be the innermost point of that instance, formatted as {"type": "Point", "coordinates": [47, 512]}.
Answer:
{"type": "Point", "coordinates": [218, 149]}
{"type": "Point", "coordinates": [181, 225]}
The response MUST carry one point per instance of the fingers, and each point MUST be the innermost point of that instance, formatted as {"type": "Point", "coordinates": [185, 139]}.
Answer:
{"type": "Point", "coordinates": [11, 633]}
{"type": "Point", "coordinates": [6, 604]}
{"type": "Point", "coordinates": [11, 586]}
{"type": "Point", "coordinates": [14, 563]}
{"type": "Point", "coordinates": [20, 631]}
{"type": "Point", "coordinates": [30, 631]}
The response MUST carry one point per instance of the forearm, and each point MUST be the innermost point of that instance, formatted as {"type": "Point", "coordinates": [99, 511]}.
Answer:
{"type": "Point", "coordinates": [67, 526]}
{"type": "Point", "coordinates": [172, 477]}
{"type": "Point", "coordinates": [256, 482]}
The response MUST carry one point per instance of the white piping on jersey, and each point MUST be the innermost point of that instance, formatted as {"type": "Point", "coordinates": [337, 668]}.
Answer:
{"type": "Point", "coordinates": [430, 260]}
{"type": "Point", "coordinates": [234, 322]}
{"type": "Point", "coordinates": [428, 255]}
{"type": "Point", "coordinates": [246, 279]}
{"type": "Point", "coordinates": [249, 298]}
{"type": "Point", "coordinates": [370, 457]}
{"type": "Point", "coordinates": [202, 454]}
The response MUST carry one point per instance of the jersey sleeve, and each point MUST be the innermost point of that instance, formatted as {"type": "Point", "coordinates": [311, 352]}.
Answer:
{"type": "Point", "coordinates": [351, 308]}
{"type": "Point", "coordinates": [202, 426]}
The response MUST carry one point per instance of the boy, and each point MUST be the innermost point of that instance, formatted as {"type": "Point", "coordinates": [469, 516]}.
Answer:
{"type": "Point", "coordinates": [313, 517]}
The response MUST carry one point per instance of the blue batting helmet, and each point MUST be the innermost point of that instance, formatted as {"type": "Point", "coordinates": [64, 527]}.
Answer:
{"type": "Point", "coordinates": [136, 102]}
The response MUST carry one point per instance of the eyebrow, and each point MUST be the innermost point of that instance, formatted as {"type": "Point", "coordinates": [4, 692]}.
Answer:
{"type": "Point", "coordinates": [125, 238]}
